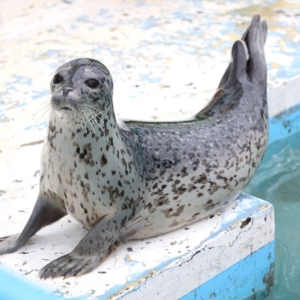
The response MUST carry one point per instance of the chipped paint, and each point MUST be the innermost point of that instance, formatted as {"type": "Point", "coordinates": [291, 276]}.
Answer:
{"type": "Point", "coordinates": [160, 260]}
{"type": "Point", "coordinates": [148, 57]}
{"type": "Point", "coordinates": [233, 247]}
{"type": "Point", "coordinates": [131, 285]}
{"type": "Point", "coordinates": [268, 278]}
{"type": "Point", "coordinates": [243, 280]}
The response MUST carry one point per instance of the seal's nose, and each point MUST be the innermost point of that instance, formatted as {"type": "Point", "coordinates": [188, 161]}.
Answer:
{"type": "Point", "coordinates": [66, 91]}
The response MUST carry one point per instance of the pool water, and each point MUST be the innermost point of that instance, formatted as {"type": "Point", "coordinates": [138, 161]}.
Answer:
{"type": "Point", "coordinates": [277, 180]}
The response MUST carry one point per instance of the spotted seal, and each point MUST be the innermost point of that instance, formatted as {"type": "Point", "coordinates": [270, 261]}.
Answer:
{"type": "Point", "coordinates": [137, 180]}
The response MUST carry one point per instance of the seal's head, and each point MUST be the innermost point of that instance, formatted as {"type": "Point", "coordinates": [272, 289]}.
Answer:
{"type": "Point", "coordinates": [81, 87]}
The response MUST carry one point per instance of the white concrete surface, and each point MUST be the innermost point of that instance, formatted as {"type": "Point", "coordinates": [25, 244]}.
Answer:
{"type": "Point", "coordinates": [166, 58]}
{"type": "Point", "coordinates": [152, 268]}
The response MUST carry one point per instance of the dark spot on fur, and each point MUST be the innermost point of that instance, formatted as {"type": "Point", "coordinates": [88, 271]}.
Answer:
{"type": "Point", "coordinates": [59, 178]}
{"type": "Point", "coordinates": [184, 172]}
{"type": "Point", "coordinates": [103, 160]}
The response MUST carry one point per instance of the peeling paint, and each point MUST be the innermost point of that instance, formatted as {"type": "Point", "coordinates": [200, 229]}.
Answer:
{"type": "Point", "coordinates": [148, 57]}
{"type": "Point", "coordinates": [268, 279]}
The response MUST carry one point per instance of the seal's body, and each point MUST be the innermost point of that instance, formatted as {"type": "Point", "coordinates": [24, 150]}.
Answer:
{"type": "Point", "coordinates": [137, 180]}
{"type": "Point", "coordinates": [179, 172]}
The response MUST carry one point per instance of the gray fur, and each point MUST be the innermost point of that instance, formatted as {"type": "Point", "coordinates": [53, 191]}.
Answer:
{"type": "Point", "coordinates": [143, 179]}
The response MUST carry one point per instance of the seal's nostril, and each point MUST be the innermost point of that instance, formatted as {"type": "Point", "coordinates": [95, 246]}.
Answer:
{"type": "Point", "coordinates": [66, 91]}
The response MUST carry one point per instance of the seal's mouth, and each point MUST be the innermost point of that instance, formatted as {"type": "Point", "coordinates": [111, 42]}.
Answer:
{"type": "Point", "coordinates": [65, 109]}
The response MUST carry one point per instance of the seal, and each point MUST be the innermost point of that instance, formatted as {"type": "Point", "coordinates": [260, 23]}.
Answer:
{"type": "Point", "coordinates": [136, 180]}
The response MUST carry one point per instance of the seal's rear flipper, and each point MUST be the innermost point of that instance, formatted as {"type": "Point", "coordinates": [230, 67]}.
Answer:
{"type": "Point", "coordinates": [224, 97]}
{"type": "Point", "coordinates": [43, 214]}
{"type": "Point", "coordinates": [247, 60]}
{"type": "Point", "coordinates": [255, 40]}
{"type": "Point", "coordinates": [226, 75]}
{"type": "Point", "coordinates": [251, 42]}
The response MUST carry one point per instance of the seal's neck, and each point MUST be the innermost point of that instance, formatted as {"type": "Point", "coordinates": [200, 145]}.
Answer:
{"type": "Point", "coordinates": [99, 135]}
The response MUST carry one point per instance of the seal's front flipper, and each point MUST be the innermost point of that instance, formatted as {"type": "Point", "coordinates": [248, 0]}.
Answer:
{"type": "Point", "coordinates": [5, 241]}
{"type": "Point", "coordinates": [100, 241]}
{"type": "Point", "coordinates": [44, 213]}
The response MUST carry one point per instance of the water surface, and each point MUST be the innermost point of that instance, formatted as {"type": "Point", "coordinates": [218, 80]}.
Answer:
{"type": "Point", "coordinates": [278, 181]}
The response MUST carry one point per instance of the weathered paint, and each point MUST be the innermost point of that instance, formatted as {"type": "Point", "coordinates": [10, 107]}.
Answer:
{"type": "Point", "coordinates": [148, 46]}
{"type": "Point", "coordinates": [285, 123]}
{"type": "Point", "coordinates": [250, 276]}
{"type": "Point", "coordinates": [241, 231]}
{"type": "Point", "coordinates": [185, 259]}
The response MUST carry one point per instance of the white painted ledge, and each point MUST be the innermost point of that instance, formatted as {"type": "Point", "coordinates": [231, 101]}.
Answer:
{"type": "Point", "coordinates": [284, 96]}
{"type": "Point", "coordinates": [212, 246]}
{"type": "Point", "coordinates": [165, 267]}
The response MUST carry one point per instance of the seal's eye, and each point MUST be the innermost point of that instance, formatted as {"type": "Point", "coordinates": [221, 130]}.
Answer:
{"type": "Point", "coordinates": [92, 83]}
{"type": "Point", "coordinates": [57, 79]}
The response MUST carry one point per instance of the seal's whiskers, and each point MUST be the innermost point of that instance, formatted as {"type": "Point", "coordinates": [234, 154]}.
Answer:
{"type": "Point", "coordinates": [87, 115]}
{"type": "Point", "coordinates": [95, 114]}
{"type": "Point", "coordinates": [92, 115]}
{"type": "Point", "coordinates": [81, 118]}
{"type": "Point", "coordinates": [44, 114]}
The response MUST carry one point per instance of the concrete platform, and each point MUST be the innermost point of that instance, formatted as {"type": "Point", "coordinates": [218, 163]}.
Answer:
{"type": "Point", "coordinates": [166, 59]}
{"type": "Point", "coordinates": [229, 255]}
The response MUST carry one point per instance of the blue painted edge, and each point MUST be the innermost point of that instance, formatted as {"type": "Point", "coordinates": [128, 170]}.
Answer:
{"type": "Point", "coordinates": [12, 287]}
{"type": "Point", "coordinates": [284, 124]}
{"type": "Point", "coordinates": [251, 275]}
{"type": "Point", "coordinates": [242, 212]}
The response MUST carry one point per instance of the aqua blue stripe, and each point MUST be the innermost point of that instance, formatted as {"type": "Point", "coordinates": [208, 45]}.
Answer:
{"type": "Point", "coordinates": [241, 280]}
{"type": "Point", "coordinates": [284, 124]}
{"type": "Point", "coordinates": [15, 288]}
